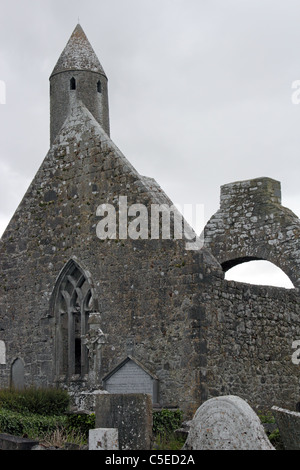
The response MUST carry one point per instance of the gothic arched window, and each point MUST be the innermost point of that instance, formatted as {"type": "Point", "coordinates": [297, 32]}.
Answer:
{"type": "Point", "coordinates": [72, 304]}
{"type": "Point", "coordinates": [72, 84]}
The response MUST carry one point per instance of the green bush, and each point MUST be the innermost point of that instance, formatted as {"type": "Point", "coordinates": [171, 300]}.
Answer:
{"type": "Point", "coordinates": [31, 425]}
{"type": "Point", "coordinates": [165, 422]}
{"type": "Point", "coordinates": [81, 422]}
{"type": "Point", "coordinates": [42, 401]}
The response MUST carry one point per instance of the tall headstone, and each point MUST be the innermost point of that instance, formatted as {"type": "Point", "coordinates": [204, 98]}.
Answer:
{"type": "Point", "coordinates": [130, 414]}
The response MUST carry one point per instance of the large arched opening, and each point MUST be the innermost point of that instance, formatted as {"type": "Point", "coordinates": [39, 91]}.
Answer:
{"type": "Point", "coordinates": [259, 272]}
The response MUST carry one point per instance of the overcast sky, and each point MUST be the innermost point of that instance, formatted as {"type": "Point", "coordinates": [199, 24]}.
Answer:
{"type": "Point", "coordinates": [200, 90]}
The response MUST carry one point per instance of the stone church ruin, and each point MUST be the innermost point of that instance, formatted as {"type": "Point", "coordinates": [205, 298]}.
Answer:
{"type": "Point", "coordinates": [94, 315]}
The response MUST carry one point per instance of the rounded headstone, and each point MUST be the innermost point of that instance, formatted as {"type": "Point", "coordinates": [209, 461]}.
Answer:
{"type": "Point", "coordinates": [226, 423]}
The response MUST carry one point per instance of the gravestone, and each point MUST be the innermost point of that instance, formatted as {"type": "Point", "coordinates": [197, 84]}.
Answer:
{"type": "Point", "coordinates": [103, 439]}
{"type": "Point", "coordinates": [17, 374]}
{"type": "Point", "coordinates": [288, 423]}
{"type": "Point", "coordinates": [130, 414]}
{"type": "Point", "coordinates": [2, 353]}
{"type": "Point", "coordinates": [226, 423]}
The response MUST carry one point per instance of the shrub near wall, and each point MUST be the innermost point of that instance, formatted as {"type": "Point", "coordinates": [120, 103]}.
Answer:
{"type": "Point", "coordinates": [29, 425]}
{"type": "Point", "coordinates": [81, 422]}
{"type": "Point", "coordinates": [166, 421]}
{"type": "Point", "coordinates": [50, 401]}
{"type": "Point", "coordinates": [32, 412]}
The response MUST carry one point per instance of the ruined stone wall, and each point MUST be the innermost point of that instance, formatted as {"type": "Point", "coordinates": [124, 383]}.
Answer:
{"type": "Point", "coordinates": [252, 224]}
{"type": "Point", "coordinates": [249, 333]}
{"type": "Point", "coordinates": [251, 354]}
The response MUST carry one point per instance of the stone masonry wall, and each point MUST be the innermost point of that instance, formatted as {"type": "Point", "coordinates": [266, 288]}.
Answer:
{"type": "Point", "coordinates": [251, 354]}
{"type": "Point", "coordinates": [249, 333]}
{"type": "Point", "coordinates": [252, 224]}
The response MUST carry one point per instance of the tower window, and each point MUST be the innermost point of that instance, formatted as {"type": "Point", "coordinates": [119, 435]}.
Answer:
{"type": "Point", "coordinates": [99, 86]}
{"type": "Point", "coordinates": [72, 84]}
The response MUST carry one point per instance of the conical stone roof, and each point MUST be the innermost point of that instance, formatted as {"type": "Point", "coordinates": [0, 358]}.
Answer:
{"type": "Point", "coordinates": [78, 55]}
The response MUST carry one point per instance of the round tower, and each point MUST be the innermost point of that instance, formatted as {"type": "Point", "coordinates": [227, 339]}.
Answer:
{"type": "Point", "coordinates": [78, 75]}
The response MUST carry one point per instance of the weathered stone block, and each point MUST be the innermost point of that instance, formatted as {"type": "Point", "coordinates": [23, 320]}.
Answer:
{"type": "Point", "coordinates": [131, 414]}
{"type": "Point", "coordinates": [8, 442]}
{"type": "Point", "coordinates": [103, 439]}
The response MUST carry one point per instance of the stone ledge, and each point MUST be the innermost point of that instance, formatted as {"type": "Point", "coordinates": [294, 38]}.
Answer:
{"type": "Point", "coordinates": [9, 442]}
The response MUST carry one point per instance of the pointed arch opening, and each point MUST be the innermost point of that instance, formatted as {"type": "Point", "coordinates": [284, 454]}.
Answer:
{"type": "Point", "coordinates": [257, 271]}
{"type": "Point", "coordinates": [72, 84]}
{"type": "Point", "coordinates": [73, 303]}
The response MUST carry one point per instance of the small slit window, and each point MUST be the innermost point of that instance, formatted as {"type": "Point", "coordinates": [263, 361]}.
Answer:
{"type": "Point", "coordinates": [99, 86]}
{"type": "Point", "coordinates": [72, 84]}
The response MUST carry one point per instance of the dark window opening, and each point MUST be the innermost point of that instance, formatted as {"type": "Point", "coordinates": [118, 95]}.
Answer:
{"type": "Point", "coordinates": [99, 86]}
{"type": "Point", "coordinates": [77, 356]}
{"type": "Point", "coordinates": [72, 84]}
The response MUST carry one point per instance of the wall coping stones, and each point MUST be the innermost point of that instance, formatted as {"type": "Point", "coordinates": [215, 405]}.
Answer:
{"type": "Point", "coordinates": [288, 423]}
{"type": "Point", "coordinates": [267, 188]}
